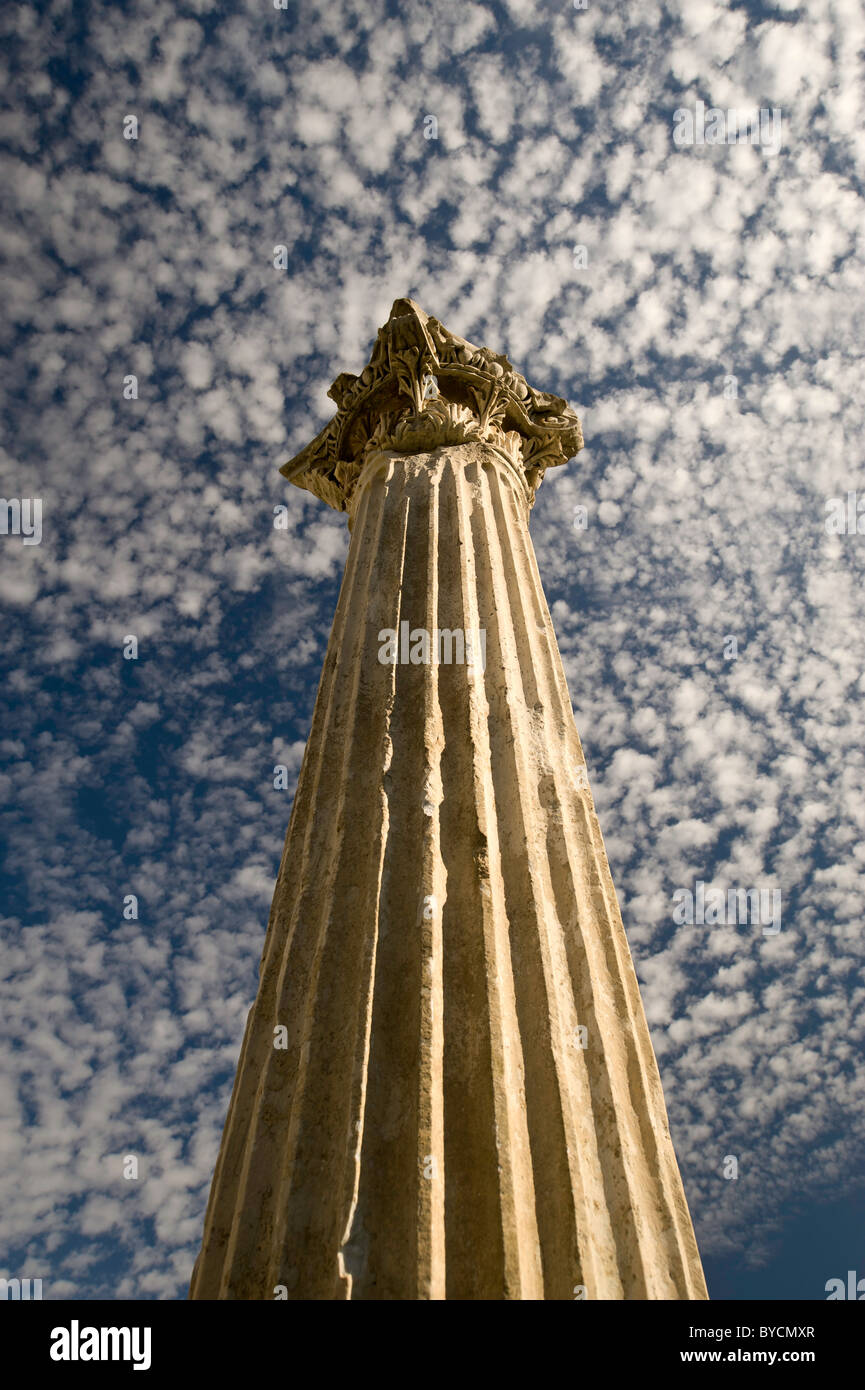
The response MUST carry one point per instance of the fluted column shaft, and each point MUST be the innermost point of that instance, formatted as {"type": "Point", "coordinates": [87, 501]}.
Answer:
{"type": "Point", "coordinates": [464, 1101]}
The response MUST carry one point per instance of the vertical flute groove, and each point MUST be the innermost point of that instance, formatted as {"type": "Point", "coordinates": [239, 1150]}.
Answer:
{"type": "Point", "coordinates": [444, 927]}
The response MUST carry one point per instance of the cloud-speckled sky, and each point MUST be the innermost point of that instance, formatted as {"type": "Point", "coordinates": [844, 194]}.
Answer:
{"type": "Point", "coordinates": [711, 344]}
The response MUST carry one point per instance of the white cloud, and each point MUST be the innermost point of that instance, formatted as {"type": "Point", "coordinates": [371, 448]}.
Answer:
{"type": "Point", "coordinates": [706, 513]}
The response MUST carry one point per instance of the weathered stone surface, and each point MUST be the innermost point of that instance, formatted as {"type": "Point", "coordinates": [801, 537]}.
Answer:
{"type": "Point", "coordinates": [467, 1104]}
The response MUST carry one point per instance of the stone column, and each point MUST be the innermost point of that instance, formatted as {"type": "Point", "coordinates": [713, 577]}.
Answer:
{"type": "Point", "coordinates": [447, 1087]}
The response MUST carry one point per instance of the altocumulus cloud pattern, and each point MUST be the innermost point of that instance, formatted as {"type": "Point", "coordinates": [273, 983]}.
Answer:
{"type": "Point", "coordinates": [513, 167]}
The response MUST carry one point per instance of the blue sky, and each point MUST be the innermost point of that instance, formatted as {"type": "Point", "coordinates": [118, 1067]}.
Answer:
{"type": "Point", "coordinates": [260, 127]}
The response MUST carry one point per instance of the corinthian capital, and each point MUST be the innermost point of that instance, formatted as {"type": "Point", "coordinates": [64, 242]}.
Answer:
{"type": "Point", "coordinates": [425, 387]}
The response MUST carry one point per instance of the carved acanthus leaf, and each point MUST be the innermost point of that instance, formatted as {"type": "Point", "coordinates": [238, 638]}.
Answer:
{"type": "Point", "coordinates": [480, 396]}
